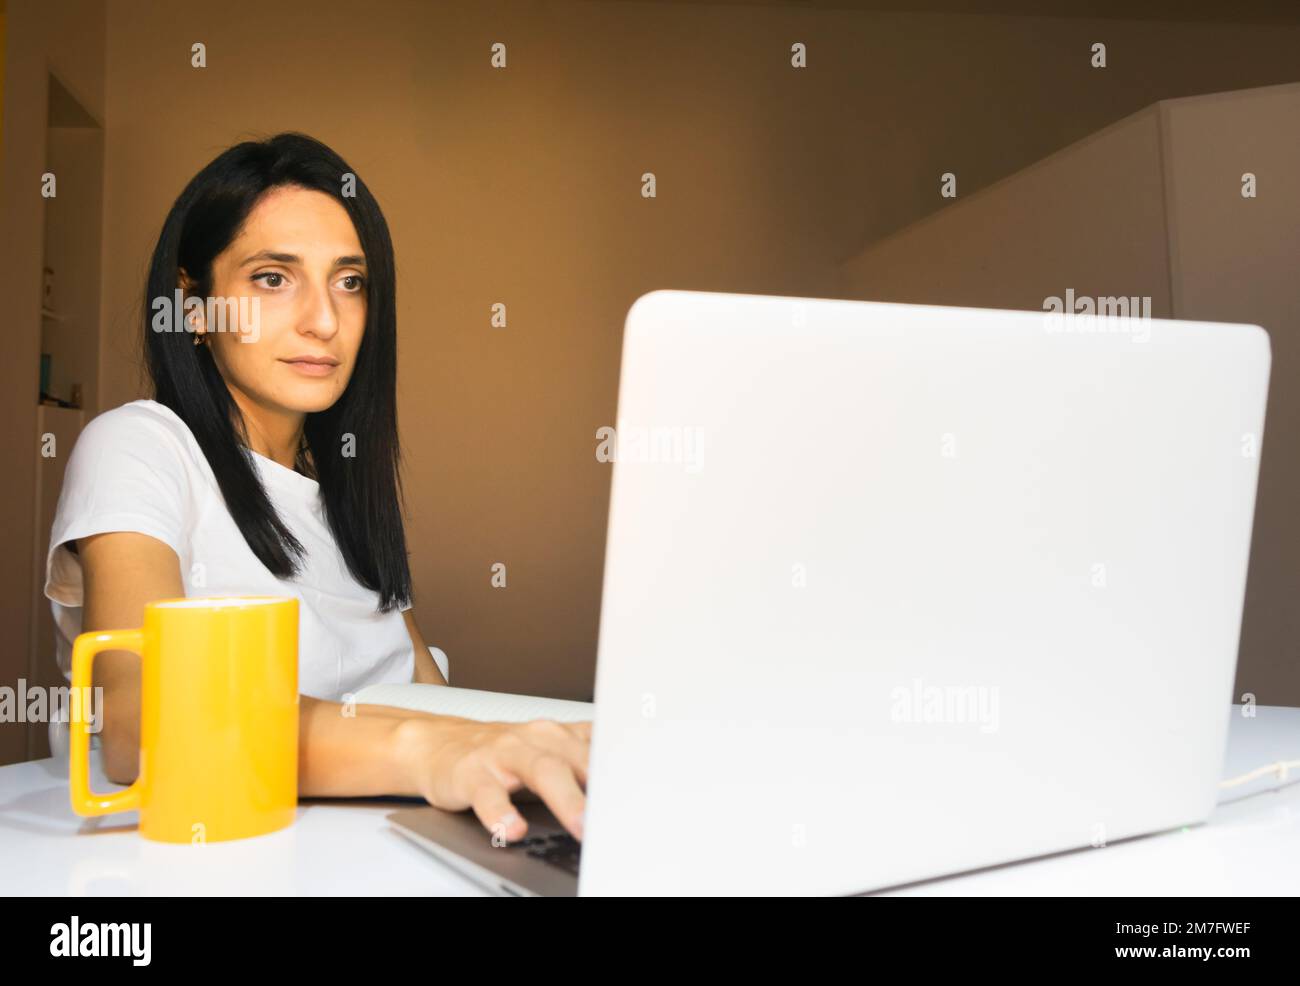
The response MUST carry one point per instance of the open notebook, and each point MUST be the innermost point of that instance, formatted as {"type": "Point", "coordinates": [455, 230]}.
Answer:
{"type": "Point", "coordinates": [471, 703]}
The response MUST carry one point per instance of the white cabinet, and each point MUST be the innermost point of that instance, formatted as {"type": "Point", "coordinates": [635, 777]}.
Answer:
{"type": "Point", "coordinates": [1152, 207]}
{"type": "Point", "coordinates": [57, 429]}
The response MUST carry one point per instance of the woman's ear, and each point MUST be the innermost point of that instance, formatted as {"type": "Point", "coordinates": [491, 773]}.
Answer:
{"type": "Point", "coordinates": [193, 319]}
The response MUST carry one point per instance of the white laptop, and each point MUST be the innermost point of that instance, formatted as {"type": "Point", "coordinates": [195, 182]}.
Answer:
{"type": "Point", "coordinates": [894, 592]}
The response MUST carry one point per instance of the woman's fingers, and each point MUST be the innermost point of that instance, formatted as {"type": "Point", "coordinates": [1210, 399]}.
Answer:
{"type": "Point", "coordinates": [492, 805]}
{"type": "Point", "coordinates": [549, 758]}
{"type": "Point", "coordinates": [552, 778]}
{"type": "Point", "coordinates": [582, 729]}
{"type": "Point", "coordinates": [562, 740]}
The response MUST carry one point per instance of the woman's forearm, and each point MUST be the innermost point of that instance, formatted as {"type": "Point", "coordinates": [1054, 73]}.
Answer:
{"type": "Point", "coordinates": [343, 756]}
{"type": "Point", "coordinates": [354, 751]}
{"type": "Point", "coordinates": [394, 712]}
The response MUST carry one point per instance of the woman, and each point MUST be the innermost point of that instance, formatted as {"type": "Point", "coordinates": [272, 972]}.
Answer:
{"type": "Point", "coordinates": [267, 463]}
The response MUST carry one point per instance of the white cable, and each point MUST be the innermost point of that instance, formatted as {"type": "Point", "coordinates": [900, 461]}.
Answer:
{"type": "Point", "coordinates": [1280, 768]}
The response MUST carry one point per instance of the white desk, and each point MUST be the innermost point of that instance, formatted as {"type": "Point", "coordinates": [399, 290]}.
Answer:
{"type": "Point", "coordinates": [1250, 847]}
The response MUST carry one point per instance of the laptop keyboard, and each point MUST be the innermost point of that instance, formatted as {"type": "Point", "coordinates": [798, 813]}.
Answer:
{"type": "Point", "coordinates": [559, 849]}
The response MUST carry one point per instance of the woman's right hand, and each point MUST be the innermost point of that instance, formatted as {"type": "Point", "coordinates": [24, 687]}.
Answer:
{"type": "Point", "coordinates": [456, 763]}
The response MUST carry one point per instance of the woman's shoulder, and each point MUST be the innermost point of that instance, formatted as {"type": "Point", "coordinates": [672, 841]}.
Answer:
{"type": "Point", "coordinates": [132, 468]}
{"type": "Point", "coordinates": [137, 415]}
{"type": "Point", "coordinates": [142, 429]}
{"type": "Point", "coordinates": [139, 418]}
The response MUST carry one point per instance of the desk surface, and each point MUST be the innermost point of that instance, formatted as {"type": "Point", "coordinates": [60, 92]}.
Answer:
{"type": "Point", "coordinates": [346, 847]}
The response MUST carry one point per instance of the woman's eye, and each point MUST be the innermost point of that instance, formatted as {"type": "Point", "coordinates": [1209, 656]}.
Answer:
{"type": "Point", "coordinates": [353, 282]}
{"type": "Point", "coordinates": [270, 278]}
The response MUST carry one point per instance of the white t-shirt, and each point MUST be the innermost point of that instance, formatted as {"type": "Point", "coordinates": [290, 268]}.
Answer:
{"type": "Point", "coordinates": [139, 468]}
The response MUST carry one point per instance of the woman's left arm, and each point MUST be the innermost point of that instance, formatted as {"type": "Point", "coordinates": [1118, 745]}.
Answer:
{"type": "Point", "coordinates": [426, 669]}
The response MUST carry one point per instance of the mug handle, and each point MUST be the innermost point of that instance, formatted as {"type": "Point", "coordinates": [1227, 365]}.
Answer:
{"type": "Point", "coordinates": [84, 800]}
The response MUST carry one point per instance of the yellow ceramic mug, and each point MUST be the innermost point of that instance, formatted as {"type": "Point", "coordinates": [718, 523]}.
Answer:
{"type": "Point", "coordinates": [218, 719]}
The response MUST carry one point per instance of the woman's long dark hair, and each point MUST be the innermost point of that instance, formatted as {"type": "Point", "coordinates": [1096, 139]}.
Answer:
{"type": "Point", "coordinates": [361, 492]}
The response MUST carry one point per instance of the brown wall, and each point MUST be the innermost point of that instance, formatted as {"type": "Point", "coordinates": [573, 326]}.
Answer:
{"type": "Point", "coordinates": [523, 186]}
{"type": "Point", "coordinates": [67, 39]}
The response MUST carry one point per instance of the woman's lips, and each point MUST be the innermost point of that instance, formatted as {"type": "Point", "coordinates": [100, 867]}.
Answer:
{"type": "Point", "coordinates": [308, 369]}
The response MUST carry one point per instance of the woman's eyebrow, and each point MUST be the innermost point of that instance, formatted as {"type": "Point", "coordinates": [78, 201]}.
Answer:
{"type": "Point", "coordinates": [282, 258]}
{"type": "Point", "coordinates": [351, 259]}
